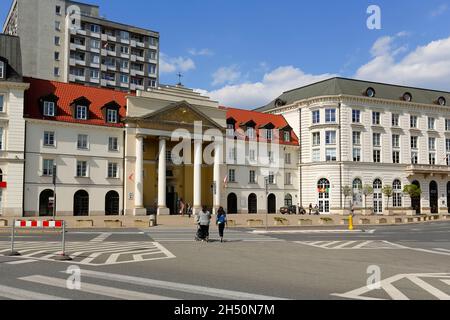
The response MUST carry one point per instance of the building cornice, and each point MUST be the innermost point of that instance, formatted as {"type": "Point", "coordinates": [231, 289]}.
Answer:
{"type": "Point", "coordinates": [14, 85]}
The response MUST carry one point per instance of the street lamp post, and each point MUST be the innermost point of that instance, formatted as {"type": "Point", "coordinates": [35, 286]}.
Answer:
{"type": "Point", "coordinates": [266, 181]}
{"type": "Point", "coordinates": [54, 191]}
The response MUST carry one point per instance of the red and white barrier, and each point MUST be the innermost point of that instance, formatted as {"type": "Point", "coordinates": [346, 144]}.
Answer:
{"type": "Point", "coordinates": [39, 224]}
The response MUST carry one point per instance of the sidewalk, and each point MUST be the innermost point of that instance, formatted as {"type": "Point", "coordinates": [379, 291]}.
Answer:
{"type": "Point", "coordinates": [236, 220]}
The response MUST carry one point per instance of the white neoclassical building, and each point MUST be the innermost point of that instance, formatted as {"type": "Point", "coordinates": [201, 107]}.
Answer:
{"type": "Point", "coordinates": [366, 135]}
{"type": "Point", "coordinates": [12, 127]}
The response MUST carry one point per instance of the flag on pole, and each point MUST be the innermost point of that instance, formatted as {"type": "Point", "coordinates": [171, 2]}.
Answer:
{"type": "Point", "coordinates": [225, 181]}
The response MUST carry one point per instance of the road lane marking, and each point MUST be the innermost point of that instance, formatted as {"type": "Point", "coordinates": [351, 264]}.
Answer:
{"type": "Point", "coordinates": [311, 231]}
{"type": "Point", "coordinates": [345, 244]}
{"type": "Point", "coordinates": [192, 289]}
{"type": "Point", "coordinates": [429, 288]}
{"type": "Point", "coordinates": [96, 289]}
{"type": "Point", "coordinates": [353, 245]}
{"type": "Point", "coordinates": [21, 261]}
{"type": "Point", "coordinates": [102, 237]}
{"type": "Point", "coordinates": [20, 294]}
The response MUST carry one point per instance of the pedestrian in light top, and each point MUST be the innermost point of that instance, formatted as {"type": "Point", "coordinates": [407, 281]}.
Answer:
{"type": "Point", "coordinates": [221, 221]}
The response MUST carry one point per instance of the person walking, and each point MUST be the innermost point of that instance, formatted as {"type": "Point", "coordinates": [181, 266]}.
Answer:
{"type": "Point", "coordinates": [189, 210]}
{"type": "Point", "coordinates": [182, 207]}
{"type": "Point", "coordinates": [221, 221]}
{"type": "Point", "coordinates": [310, 208]}
{"type": "Point", "coordinates": [203, 221]}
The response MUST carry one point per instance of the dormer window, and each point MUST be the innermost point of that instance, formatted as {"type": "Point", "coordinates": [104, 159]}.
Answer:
{"type": "Point", "coordinates": [441, 101]}
{"type": "Point", "coordinates": [251, 133]}
{"type": "Point", "coordinates": [269, 134]}
{"type": "Point", "coordinates": [2, 70]}
{"type": "Point", "coordinates": [111, 116]}
{"type": "Point", "coordinates": [287, 136]}
{"type": "Point", "coordinates": [49, 108]}
{"type": "Point", "coordinates": [81, 112]}
{"type": "Point", "coordinates": [231, 123]}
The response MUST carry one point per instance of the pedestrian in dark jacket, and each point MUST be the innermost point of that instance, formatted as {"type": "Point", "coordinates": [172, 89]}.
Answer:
{"type": "Point", "coordinates": [221, 221]}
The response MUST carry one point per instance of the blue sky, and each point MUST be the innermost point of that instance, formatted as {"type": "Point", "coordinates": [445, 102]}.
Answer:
{"type": "Point", "coordinates": [245, 53]}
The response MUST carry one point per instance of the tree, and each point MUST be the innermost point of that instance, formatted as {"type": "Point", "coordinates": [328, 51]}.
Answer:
{"type": "Point", "coordinates": [412, 191]}
{"type": "Point", "coordinates": [347, 191]}
{"type": "Point", "coordinates": [388, 191]}
{"type": "Point", "coordinates": [367, 191]}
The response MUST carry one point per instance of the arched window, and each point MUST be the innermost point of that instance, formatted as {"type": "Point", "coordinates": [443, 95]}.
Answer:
{"type": "Point", "coordinates": [377, 196]}
{"type": "Point", "coordinates": [112, 203]}
{"type": "Point", "coordinates": [81, 203]}
{"type": "Point", "coordinates": [357, 193]}
{"type": "Point", "coordinates": [288, 200]}
{"type": "Point", "coordinates": [397, 196]}
{"type": "Point", "coordinates": [232, 203]}
{"type": "Point", "coordinates": [252, 203]}
{"type": "Point", "coordinates": [272, 204]}
{"type": "Point", "coordinates": [323, 188]}
{"type": "Point", "coordinates": [45, 205]}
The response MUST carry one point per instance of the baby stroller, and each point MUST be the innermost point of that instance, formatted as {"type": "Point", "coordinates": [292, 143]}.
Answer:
{"type": "Point", "coordinates": [202, 233]}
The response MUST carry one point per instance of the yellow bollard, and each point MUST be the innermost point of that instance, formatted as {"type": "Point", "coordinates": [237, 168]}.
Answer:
{"type": "Point", "coordinates": [350, 222]}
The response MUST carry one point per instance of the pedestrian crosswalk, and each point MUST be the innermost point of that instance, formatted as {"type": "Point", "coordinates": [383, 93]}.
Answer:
{"type": "Point", "coordinates": [187, 235]}
{"type": "Point", "coordinates": [353, 245]}
{"type": "Point", "coordinates": [102, 285]}
{"type": "Point", "coordinates": [89, 253]}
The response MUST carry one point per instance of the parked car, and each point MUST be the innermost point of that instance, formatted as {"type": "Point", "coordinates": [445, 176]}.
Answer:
{"type": "Point", "coordinates": [288, 210]}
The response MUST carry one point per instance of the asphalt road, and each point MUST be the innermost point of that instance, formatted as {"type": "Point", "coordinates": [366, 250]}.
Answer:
{"type": "Point", "coordinates": [413, 262]}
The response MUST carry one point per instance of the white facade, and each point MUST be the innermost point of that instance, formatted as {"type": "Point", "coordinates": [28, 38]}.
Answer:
{"type": "Point", "coordinates": [67, 156]}
{"type": "Point", "coordinates": [358, 141]}
{"type": "Point", "coordinates": [12, 127]}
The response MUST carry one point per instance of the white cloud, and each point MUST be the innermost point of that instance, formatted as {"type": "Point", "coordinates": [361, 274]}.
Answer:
{"type": "Point", "coordinates": [201, 52]}
{"type": "Point", "coordinates": [169, 64]}
{"type": "Point", "coordinates": [439, 11]}
{"type": "Point", "coordinates": [257, 94]}
{"type": "Point", "coordinates": [426, 66]}
{"type": "Point", "coordinates": [226, 75]}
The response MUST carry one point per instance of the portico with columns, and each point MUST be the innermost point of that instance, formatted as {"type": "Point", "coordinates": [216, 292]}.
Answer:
{"type": "Point", "coordinates": [155, 182]}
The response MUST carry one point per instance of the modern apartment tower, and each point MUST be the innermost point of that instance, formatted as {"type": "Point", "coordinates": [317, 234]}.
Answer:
{"type": "Point", "coordinates": [69, 41]}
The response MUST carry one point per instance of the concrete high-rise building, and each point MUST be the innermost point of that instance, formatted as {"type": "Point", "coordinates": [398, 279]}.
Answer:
{"type": "Point", "coordinates": [69, 41]}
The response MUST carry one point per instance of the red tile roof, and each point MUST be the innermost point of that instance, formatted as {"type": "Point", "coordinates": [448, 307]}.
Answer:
{"type": "Point", "coordinates": [67, 93]}
{"type": "Point", "coordinates": [261, 119]}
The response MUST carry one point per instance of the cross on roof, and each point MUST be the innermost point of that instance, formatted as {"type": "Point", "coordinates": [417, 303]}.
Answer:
{"type": "Point", "coordinates": [179, 78]}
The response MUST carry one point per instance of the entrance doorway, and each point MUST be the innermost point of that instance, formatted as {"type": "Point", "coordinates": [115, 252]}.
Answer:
{"type": "Point", "coordinates": [81, 203]}
{"type": "Point", "coordinates": [232, 203]}
{"type": "Point", "coordinates": [172, 200]}
{"type": "Point", "coordinates": [252, 203]}
{"type": "Point", "coordinates": [272, 204]}
{"type": "Point", "coordinates": [112, 203]}
{"type": "Point", "coordinates": [45, 206]}
{"type": "Point", "coordinates": [434, 197]}
{"type": "Point", "coordinates": [377, 196]}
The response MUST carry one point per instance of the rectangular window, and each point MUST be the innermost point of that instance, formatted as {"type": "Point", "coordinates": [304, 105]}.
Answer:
{"type": "Point", "coordinates": [2, 70]}
{"type": "Point", "coordinates": [153, 55]}
{"type": "Point", "coordinates": [357, 155]}
{"type": "Point", "coordinates": [124, 35]}
{"type": "Point", "coordinates": [375, 118]}
{"type": "Point", "coordinates": [113, 170]}
{"type": "Point", "coordinates": [57, 26]}
{"type": "Point", "coordinates": [432, 158]}
{"type": "Point", "coordinates": [152, 83]}
{"type": "Point", "coordinates": [56, 72]}
{"type": "Point", "coordinates": [316, 139]}
{"type": "Point", "coordinates": [356, 116]}
{"type": "Point", "coordinates": [316, 117]}
{"type": "Point", "coordinates": [124, 78]}
{"type": "Point", "coordinates": [288, 178]}
{"type": "Point", "coordinates": [287, 159]}
{"type": "Point", "coordinates": [152, 68]}
{"type": "Point", "coordinates": [82, 141]}
{"type": "Point", "coordinates": [124, 50]}
{"type": "Point", "coordinates": [377, 156]}
{"type": "Point", "coordinates": [81, 112]}
{"type": "Point", "coordinates": [49, 109]}
{"type": "Point", "coordinates": [56, 56]}
{"type": "Point", "coordinates": [95, 28]}
{"type": "Point", "coordinates": [414, 158]}
{"type": "Point", "coordinates": [271, 178]}
{"type": "Point", "coordinates": [232, 155]}
{"type": "Point", "coordinates": [395, 157]}
{"type": "Point", "coordinates": [269, 134]}
{"type": "Point", "coordinates": [113, 144]}
{"type": "Point", "coordinates": [395, 120]}
{"type": "Point", "coordinates": [111, 116]}
{"type": "Point", "coordinates": [49, 139]}
{"type": "Point", "coordinates": [287, 136]}
{"type": "Point", "coordinates": [82, 169]}
{"type": "Point", "coordinates": [315, 155]}
{"type": "Point", "coordinates": [58, 10]}
{"type": "Point", "coordinates": [413, 122]}
{"type": "Point", "coordinates": [395, 141]}
{"type": "Point", "coordinates": [95, 74]}
{"type": "Point", "coordinates": [330, 115]}
{"type": "Point", "coordinates": [252, 177]}
{"type": "Point", "coordinates": [2, 146]}
{"type": "Point", "coordinates": [414, 142]}
{"type": "Point", "coordinates": [330, 137]}
{"type": "Point", "coordinates": [447, 145]}
{"type": "Point", "coordinates": [447, 124]}
{"type": "Point", "coordinates": [331, 154]}
{"type": "Point", "coordinates": [356, 138]}
{"type": "Point", "coordinates": [251, 133]}
{"type": "Point", "coordinates": [95, 44]}
{"type": "Point", "coordinates": [47, 168]}
{"type": "Point", "coordinates": [270, 156]}
{"type": "Point", "coordinates": [377, 140]}
{"type": "Point", "coordinates": [232, 175]}
{"type": "Point", "coordinates": [2, 102]}
{"type": "Point", "coordinates": [95, 58]}
{"type": "Point", "coordinates": [431, 123]}
{"type": "Point", "coordinates": [57, 41]}
{"type": "Point", "coordinates": [252, 155]}
{"type": "Point", "coordinates": [432, 144]}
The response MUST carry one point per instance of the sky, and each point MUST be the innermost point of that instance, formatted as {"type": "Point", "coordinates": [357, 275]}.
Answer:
{"type": "Point", "coordinates": [245, 53]}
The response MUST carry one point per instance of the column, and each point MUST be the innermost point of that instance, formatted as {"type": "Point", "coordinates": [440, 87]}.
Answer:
{"type": "Point", "coordinates": [162, 188]}
{"type": "Point", "coordinates": [139, 209]}
{"type": "Point", "coordinates": [197, 175]}
{"type": "Point", "coordinates": [218, 154]}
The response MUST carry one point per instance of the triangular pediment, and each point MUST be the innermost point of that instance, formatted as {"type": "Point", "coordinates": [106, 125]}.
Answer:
{"type": "Point", "coordinates": [181, 113]}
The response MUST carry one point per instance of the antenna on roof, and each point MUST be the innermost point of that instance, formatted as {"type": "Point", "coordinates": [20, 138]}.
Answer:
{"type": "Point", "coordinates": [179, 75]}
